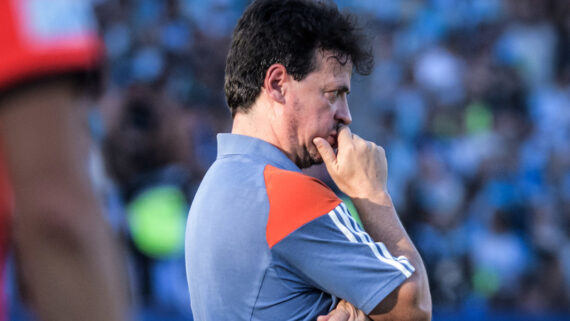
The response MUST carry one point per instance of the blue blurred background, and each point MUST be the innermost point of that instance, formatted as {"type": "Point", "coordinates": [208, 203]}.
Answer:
{"type": "Point", "coordinates": [470, 98]}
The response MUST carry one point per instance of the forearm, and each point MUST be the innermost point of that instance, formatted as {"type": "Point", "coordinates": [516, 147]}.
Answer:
{"type": "Point", "coordinates": [381, 221]}
{"type": "Point", "coordinates": [65, 254]}
{"type": "Point", "coordinates": [67, 260]}
{"type": "Point", "coordinates": [359, 169]}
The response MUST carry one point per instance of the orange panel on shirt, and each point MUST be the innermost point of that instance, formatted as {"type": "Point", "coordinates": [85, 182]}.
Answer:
{"type": "Point", "coordinates": [294, 200]}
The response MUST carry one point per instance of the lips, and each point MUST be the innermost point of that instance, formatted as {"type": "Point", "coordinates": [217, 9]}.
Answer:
{"type": "Point", "coordinates": [332, 139]}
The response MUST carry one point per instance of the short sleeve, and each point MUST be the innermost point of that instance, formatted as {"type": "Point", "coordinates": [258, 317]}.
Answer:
{"type": "Point", "coordinates": [44, 37]}
{"type": "Point", "coordinates": [330, 251]}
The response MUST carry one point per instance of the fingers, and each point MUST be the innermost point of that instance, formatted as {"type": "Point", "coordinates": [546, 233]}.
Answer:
{"type": "Point", "coordinates": [335, 315]}
{"type": "Point", "coordinates": [342, 312]}
{"type": "Point", "coordinates": [325, 149]}
{"type": "Point", "coordinates": [344, 135]}
{"type": "Point", "coordinates": [346, 138]}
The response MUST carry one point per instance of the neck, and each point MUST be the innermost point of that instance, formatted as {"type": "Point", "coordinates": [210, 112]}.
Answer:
{"type": "Point", "coordinates": [263, 123]}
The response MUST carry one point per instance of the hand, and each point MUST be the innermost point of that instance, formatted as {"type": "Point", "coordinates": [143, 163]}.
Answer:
{"type": "Point", "coordinates": [344, 311]}
{"type": "Point", "coordinates": [359, 168]}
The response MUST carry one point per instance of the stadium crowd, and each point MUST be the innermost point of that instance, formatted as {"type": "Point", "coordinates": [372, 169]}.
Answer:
{"type": "Point", "coordinates": [470, 98]}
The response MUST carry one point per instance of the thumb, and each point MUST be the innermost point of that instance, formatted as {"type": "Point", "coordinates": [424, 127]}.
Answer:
{"type": "Point", "coordinates": [326, 150]}
{"type": "Point", "coordinates": [323, 318]}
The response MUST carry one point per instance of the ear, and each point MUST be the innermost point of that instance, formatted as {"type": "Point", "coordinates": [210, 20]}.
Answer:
{"type": "Point", "coordinates": [275, 82]}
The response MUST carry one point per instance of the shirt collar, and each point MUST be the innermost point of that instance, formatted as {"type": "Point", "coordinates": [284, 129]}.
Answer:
{"type": "Point", "coordinates": [233, 144]}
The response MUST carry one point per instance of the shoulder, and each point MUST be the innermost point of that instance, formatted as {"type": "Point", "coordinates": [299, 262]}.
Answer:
{"type": "Point", "coordinates": [289, 185]}
{"type": "Point", "coordinates": [33, 49]}
{"type": "Point", "coordinates": [295, 199]}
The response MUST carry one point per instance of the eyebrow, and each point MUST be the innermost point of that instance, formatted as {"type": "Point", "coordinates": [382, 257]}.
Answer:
{"type": "Point", "coordinates": [341, 88]}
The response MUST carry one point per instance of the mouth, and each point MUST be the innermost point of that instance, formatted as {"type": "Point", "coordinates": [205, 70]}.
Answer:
{"type": "Point", "coordinates": [333, 140]}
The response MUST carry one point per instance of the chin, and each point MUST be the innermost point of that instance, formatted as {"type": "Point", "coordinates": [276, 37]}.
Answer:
{"type": "Point", "coordinates": [309, 159]}
{"type": "Point", "coordinates": [316, 159]}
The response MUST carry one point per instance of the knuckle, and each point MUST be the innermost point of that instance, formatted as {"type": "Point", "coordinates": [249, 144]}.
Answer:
{"type": "Point", "coordinates": [359, 141]}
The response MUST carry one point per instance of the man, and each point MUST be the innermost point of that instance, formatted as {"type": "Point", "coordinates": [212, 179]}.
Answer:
{"type": "Point", "coordinates": [264, 241]}
{"type": "Point", "coordinates": [65, 257]}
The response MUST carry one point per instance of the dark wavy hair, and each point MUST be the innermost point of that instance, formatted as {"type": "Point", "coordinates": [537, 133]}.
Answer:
{"type": "Point", "coordinates": [289, 32]}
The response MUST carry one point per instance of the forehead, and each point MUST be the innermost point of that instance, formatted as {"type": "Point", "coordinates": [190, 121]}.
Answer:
{"type": "Point", "coordinates": [330, 64]}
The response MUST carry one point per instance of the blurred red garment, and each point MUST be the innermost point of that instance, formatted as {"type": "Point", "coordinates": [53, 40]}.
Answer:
{"type": "Point", "coordinates": [39, 38]}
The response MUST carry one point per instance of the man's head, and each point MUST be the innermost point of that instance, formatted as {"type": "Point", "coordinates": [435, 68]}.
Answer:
{"type": "Point", "coordinates": [297, 55]}
{"type": "Point", "coordinates": [288, 32]}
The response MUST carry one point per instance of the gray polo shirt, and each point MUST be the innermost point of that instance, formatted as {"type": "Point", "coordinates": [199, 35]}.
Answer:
{"type": "Point", "coordinates": [266, 242]}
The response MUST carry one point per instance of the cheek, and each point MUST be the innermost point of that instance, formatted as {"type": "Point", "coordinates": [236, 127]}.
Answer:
{"type": "Point", "coordinates": [326, 121]}
{"type": "Point", "coordinates": [323, 124]}
{"type": "Point", "coordinates": [318, 122]}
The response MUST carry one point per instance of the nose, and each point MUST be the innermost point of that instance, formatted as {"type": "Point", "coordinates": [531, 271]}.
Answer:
{"type": "Point", "coordinates": [343, 113]}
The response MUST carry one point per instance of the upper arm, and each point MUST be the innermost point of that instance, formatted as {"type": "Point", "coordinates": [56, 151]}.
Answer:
{"type": "Point", "coordinates": [330, 251]}
{"type": "Point", "coordinates": [45, 142]}
{"type": "Point", "coordinates": [332, 254]}
{"type": "Point", "coordinates": [41, 134]}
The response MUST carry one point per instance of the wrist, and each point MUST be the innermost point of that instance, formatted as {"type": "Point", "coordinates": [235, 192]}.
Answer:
{"type": "Point", "coordinates": [381, 198]}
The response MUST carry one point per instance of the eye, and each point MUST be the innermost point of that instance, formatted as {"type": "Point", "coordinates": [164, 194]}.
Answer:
{"type": "Point", "coordinates": [333, 94]}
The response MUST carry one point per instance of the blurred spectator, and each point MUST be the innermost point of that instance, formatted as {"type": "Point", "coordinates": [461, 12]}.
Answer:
{"type": "Point", "coordinates": [146, 151]}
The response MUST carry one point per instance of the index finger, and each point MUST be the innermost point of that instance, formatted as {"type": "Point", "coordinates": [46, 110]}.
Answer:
{"type": "Point", "coordinates": [344, 135]}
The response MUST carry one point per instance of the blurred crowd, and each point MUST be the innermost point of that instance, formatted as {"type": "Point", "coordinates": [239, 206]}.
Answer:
{"type": "Point", "coordinates": [470, 98]}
